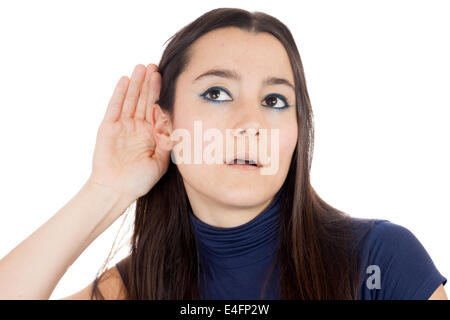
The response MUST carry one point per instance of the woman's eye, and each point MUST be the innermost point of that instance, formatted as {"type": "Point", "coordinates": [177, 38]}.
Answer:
{"type": "Point", "coordinates": [213, 95]}
{"type": "Point", "coordinates": [273, 101]}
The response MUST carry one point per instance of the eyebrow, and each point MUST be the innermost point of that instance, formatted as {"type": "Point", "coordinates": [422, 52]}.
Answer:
{"type": "Point", "coordinates": [233, 75]}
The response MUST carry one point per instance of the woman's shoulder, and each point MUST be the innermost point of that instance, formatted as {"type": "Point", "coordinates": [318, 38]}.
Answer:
{"type": "Point", "coordinates": [382, 233]}
{"type": "Point", "coordinates": [395, 264]}
{"type": "Point", "coordinates": [123, 269]}
{"type": "Point", "coordinates": [387, 239]}
{"type": "Point", "coordinates": [111, 283]}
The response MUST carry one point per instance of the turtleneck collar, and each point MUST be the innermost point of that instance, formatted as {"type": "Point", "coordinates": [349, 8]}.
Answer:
{"type": "Point", "coordinates": [242, 245]}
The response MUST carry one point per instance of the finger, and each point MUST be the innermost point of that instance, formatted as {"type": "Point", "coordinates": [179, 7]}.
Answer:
{"type": "Point", "coordinates": [134, 89]}
{"type": "Point", "coordinates": [143, 97]}
{"type": "Point", "coordinates": [155, 88]}
{"type": "Point", "coordinates": [115, 103]}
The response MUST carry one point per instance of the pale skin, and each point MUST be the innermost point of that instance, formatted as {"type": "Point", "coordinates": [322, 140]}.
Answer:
{"type": "Point", "coordinates": [240, 195]}
{"type": "Point", "coordinates": [133, 151]}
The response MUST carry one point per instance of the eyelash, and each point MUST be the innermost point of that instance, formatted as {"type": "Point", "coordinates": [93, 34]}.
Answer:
{"type": "Point", "coordinates": [204, 96]}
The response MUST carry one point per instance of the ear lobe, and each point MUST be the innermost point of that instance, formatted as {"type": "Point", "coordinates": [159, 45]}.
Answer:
{"type": "Point", "coordinates": [162, 128]}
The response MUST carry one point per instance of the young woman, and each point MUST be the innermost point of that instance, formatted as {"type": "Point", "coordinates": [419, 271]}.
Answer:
{"type": "Point", "coordinates": [219, 230]}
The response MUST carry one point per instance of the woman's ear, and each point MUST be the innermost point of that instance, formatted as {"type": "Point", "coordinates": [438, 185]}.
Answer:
{"type": "Point", "coordinates": [162, 128]}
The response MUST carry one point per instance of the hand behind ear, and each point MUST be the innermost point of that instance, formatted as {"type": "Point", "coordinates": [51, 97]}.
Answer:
{"type": "Point", "coordinates": [126, 156]}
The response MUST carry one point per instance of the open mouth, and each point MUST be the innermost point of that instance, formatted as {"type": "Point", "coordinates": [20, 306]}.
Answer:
{"type": "Point", "coordinates": [243, 162]}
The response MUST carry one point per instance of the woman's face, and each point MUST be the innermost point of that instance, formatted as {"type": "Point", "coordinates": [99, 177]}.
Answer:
{"type": "Point", "coordinates": [246, 103]}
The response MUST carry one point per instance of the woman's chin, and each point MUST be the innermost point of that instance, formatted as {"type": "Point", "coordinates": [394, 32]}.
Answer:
{"type": "Point", "coordinates": [241, 196]}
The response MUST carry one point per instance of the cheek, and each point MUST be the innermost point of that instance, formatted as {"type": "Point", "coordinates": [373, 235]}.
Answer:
{"type": "Point", "coordinates": [288, 142]}
{"type": "Point", "coordinates": [189, 115]}
{"type": "Point", "coordinates": [183, 120]}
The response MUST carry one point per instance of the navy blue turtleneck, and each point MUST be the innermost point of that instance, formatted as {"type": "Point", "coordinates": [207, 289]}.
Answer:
{"type": "Point", "coordinates": [235, 261]}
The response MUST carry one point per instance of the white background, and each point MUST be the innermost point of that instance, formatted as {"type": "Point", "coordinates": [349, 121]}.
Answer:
{"type": "Point", "coordinates": [378, 74]}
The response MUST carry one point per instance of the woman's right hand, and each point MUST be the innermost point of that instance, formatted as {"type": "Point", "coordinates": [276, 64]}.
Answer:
{"type": "Point", "coordinates": [126, 157]}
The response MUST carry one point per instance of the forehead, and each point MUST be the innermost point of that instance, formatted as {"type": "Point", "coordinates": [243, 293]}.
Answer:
{"type": "Point", "coordinates": [249, 54]}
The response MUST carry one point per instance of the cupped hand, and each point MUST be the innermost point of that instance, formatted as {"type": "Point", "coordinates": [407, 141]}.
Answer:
{"type": "Point", "coordinates": [126, 156]}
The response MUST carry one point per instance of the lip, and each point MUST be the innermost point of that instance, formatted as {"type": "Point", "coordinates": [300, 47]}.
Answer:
{"type": "Point", "coordinates": [245, 167]}
{"type": "Point", "coordinates": [250, 156]}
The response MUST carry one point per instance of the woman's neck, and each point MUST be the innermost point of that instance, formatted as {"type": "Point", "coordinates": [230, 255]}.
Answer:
{"type": "Point", "coordinates": [219, 214]}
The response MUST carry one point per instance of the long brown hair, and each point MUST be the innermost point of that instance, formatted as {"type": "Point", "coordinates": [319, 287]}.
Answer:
{"type": "Point", "coordinates": [318, 251]}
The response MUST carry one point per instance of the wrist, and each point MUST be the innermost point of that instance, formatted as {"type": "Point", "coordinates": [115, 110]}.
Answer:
{"type": "Point", "coordinates": [107, 193]}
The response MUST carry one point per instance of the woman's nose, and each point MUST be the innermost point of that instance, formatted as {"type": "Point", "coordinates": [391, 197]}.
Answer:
{"type": "Point", "coordinates": [249, 119]}
{"type": "Point", "coordinates": [249, 131]}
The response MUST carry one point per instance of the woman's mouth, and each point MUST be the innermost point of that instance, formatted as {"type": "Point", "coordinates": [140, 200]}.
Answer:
{"type": "Point", "coordinates": [243, 164]}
